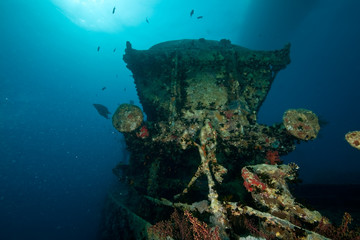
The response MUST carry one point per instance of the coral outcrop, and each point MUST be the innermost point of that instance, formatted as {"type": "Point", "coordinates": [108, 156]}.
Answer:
{"type": "Point", "coordinates": [127, 118]}
{"type": "Point", "coordinates": [353, 138]}
{"type": "Point", "coordinates": [301, 123]}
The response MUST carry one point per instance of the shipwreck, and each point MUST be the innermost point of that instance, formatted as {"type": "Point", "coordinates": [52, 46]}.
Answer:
{"type": "Point", "coordinates": [197, 147]}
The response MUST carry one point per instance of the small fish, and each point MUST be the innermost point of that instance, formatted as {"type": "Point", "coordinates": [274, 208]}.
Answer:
{"type": "Point", "coordinates": [102, 110]}
{"type": "Point", "coordinates": [192, 13]}
{"type": "Point", "coordinates": [114, 10]}
{"type": "Point", "coordinates": [98, 49]}
{"type": "Point", "coordinates": [114, 50]}
{"type": "Point", "coordinates": [199, 17]}
{"type": "Point", "coordinates": [147, 20]}
{"type": "Point", "coordinates": [124, 89]}
{"type": "Point", "coordinates": [103, 88]}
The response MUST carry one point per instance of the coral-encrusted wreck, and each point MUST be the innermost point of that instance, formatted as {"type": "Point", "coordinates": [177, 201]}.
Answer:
{"type": "Point", "coordinates": [201, 149]}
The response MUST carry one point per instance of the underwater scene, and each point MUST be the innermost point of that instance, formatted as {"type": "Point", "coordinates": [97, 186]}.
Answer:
{"type": "Point", "coordinates": [179, 120]}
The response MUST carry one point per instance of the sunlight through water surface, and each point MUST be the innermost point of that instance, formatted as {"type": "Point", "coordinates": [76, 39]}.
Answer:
{"type": "Point", "coordinates": [106, 15]}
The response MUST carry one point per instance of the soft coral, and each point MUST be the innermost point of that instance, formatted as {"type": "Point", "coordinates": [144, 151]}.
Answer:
{"type": "Point", "coordinates": [272, 157]}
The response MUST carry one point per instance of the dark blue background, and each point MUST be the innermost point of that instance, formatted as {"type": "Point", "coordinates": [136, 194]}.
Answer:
{"type": "Point", "coordinates": [57, 153]}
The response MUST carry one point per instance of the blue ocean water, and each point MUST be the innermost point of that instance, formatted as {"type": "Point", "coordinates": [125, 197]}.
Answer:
{"type": "Point", "coordinates": [57, 152]}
